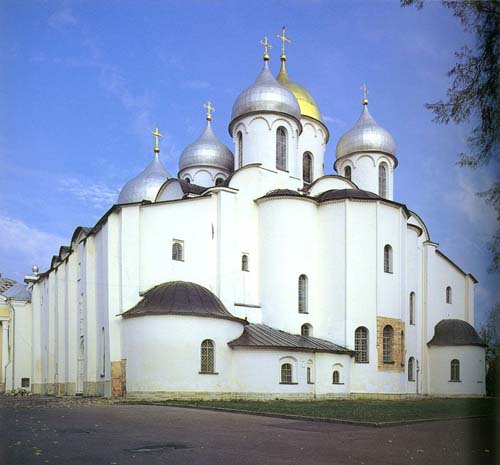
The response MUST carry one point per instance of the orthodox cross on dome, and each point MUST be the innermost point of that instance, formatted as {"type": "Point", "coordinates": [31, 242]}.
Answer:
{"type": "Point", "coordinates": [157, 135]}
{"type": "Point", "coordinates": [209, 108]}
{"type": "Point", "coordinates": [364, 89]}
{"type": "Point", "coordinates": [283, 39]}
{"type": "Point", "coordinates": [267, 47]}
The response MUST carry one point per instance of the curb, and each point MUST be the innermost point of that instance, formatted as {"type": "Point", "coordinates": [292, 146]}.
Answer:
{"type": "Point", "coordinates": [303, 417]}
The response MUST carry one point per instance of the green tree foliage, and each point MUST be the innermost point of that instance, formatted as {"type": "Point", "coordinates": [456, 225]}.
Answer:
{"type": "Point", "coordinates": [474, 94]}
{"type": "Point", "coordinates": [490, 334]}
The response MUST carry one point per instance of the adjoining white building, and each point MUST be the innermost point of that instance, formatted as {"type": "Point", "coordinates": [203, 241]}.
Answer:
{"type": "Point", "coordinates": [257, 275]}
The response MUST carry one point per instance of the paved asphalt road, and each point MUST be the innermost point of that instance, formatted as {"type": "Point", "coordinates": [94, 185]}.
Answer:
{"type": "Point", "coordinates": [84, 432]}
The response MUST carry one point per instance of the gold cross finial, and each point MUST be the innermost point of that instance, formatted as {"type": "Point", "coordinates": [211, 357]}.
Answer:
{"type": "Point", "coordinates": [209, 108]}
{"type": "Point", "coordinates": [267, 47]}
{"type": "Point", "coordinates": [283, 39]}
{"type": "Point", "coordinates": [364, 89]}
{"type": "Point", "coordinates": [157, 135]}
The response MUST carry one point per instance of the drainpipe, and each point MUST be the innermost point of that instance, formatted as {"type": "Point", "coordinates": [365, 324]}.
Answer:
{"type": "Point", "coordinates": [418, 371]}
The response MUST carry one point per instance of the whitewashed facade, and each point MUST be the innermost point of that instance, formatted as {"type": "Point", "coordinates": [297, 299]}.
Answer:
{"type": "Point", "coordinates": [331, 230]}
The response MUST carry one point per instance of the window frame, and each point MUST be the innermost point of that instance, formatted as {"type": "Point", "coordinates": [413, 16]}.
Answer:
{"type": "Point", "coordinates": [338, 377]}
{"type": "Point", "coordinates": [207, 350]}
{"type": "Point", "coordinates": [348, 174]}
{"type": "Point", "coordinates": [449, 295]}
{"type": "Point", "coordinates": [286, 377]}
{"type": "Point", "coordinates": [177, 250]}
{"type": "Point", "coordinates": [361, 354]}
{"type": "Point", "coordinates": [455, 371]}
{"type": "Point", "coordinates": [303, 294]}
{"type": "Point", "coordinates": [306, 327]}
{"type": "Point", "coordinates": [239, 145]}
{"type": "Point", "coordinates": [388, 259]}
{"type": "Point", "coordinates": [411, 369]}
{"type": "Point", "coordinates": [281, 148]}
{"type": "Point", "coordinates": [382, 180]}
{"type": "Point", "coordinates": [388, 345]}
{"type": "Point", "coordinates": [411, 310]}
{"type": "Point", "coordinates": [310, 172]}
{"type": "Point", "coordinates": [245, 262]}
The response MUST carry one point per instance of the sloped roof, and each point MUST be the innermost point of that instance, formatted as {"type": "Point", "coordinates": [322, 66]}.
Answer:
{"type": "Point", "coordinates": [258, 336]}
{"type": "Point", "coordinates": [191, 188]}
{"type": "Point", "coordinates": [5, 283]}
{"type": "Point", "coordinates": [181, 298]}
{"type": "Point", "coordinates": [18, 291]}
{"type": "Point", "coordinates": [335, 194]}
{"type": "Point", "coordinates": [452, 332]}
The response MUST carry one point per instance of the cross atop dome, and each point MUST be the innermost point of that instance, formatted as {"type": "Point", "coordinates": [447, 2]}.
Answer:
{"type": "Point", "coordinates": [267, 47]}
{"type": "Point", "coordinates": [157, 135]}
{"type": "Point", "coordinates": [364, 89]}
{"type": "Point", "coordinates": [209, 108]}
{"type": "Point", "coordinates": [283, 39]}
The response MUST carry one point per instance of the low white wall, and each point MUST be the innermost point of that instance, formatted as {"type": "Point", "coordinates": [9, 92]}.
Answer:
{"type": "Point", "coordinates": [472, 370]}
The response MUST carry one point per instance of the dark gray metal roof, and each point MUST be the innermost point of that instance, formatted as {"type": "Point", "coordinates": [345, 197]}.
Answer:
{"type": "Point", "coordinates": [181, 298]}
{"type": "Point", "coordinates": [284, 193]}
{"type": "Point", "coordinates": [258, 336]}
{"type": "Point", "coordinates": [5, 283]}
{"type": "Point", "coordinates": [336, 194]}
{"type": "Point", "coordinates": [190, 188]}
{"type": "Point", "coordinates": [453, 332]}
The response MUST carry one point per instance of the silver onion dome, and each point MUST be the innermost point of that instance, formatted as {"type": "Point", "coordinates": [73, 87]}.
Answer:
{"type": "Point", "coordinates": [266, 94]}
{"type": "Point", "coordinates": [146, 184]}
{"type": "Point", "coordinates": [207, 150]}
{"type": "Point", "coordinates": [366, 136]}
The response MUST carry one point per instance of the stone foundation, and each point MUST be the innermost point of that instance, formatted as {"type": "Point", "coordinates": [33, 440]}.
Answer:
{"type": "Point", "coordinates": [398, 344]}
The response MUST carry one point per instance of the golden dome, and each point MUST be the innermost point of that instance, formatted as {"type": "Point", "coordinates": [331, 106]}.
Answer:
{"type": "Point", "coordinates": [307, 104]}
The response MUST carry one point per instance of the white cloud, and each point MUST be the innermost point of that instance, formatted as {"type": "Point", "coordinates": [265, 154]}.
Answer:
{"type": "Point", "coordinates": [62, 19]}
{"type": "Point", "coordinates": [98, 195]}
{"type": "Point", "coordinates": [333, 120]}
{"type": "Point", "coordinates": [23, 245]}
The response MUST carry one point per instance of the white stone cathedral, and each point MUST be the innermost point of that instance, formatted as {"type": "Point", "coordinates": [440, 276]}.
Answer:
{"type": "Point", "coordinates": [257, 275]}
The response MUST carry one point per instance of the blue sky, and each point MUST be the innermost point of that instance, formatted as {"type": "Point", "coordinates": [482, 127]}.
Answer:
{"type": "Point", "coordinates": [83, 83]}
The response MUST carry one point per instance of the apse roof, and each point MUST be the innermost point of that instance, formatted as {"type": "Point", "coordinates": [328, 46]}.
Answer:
{"type": "Point", "coordinates": [18, 291]}
{"type": "Point", "coordinates": [452, 332]}
{"type": "Point", "coordinates": [181, 298]}
{"type": "Point", "coordinates": [264, 337]}
{"type": "Point", "coordinates": [5, 283]}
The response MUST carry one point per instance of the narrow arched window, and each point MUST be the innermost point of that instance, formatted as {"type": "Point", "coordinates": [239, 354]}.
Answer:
{"type": "Point", "coordinates": [303, 291]}
{"type": "Point", "coordinates": [239, 141]}
{"type": "Point", "coordinates": [219, 181]}
{"type": "Point", "coordinates": [388, 338]}
{"type": "Point", "coordinates": [411, 369]}
{"type": "Point", "coordinates": [448, 295]}
{"type": "Point", "coordinates": [347, 172]}
{"type": "Point", "coordinates": [207, 356]}
{"type": "Point", "coordinates": [382, 180]}
{"type": "Point", "coordinates": [286, 373]}
{"type": "Point", "coordinates": [361, 345]}
{"type": "Point", "coordinates": [455, 370]}
{"type": "Point", "coordinates": [412, 308]}
{"type": "Point", "coordinates": [336, 377]}
{"type": "Point", "coordinates": [187, 180]}
{"type": "Point", "coordinates": [306, 330]}
{"type": "Point", "coordinates": [244, 262]}
{"type": "Point", "coordinates": [309, 375]}
{"type": "Point", "coordinates": [281, 148]}
{"type": "Point", "coordinates": [307, 167]}
{"type": "Point", "coordinates": [178, 251]}
{"type": "Point", "coordinates": [388, 259]}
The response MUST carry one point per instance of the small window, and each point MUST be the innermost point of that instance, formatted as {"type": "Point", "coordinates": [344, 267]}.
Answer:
{"type": "Point", "coordinates": [239, 139]}
{"type": "Point", "coordinates": [244, 262]}
{"type": "Point", "coordinates": [178, 251]}
{"type": "Point", "coordinates": [388, 338]}
{"type": "Point", "coordinates": [361, 345]}
{"type": "Point", "coordinates": [309, 375]}
{"type": "Point", "coordinates": [448, 295]}
{"type": "Point", "coordinates": [303, 291]}
{"type": "Point", "coordinates": [382, 180]}
{"type": "Point", "coordinates": [281, 148]}
{"type": "Point", "coordinates": [286, 373]}
{"type": "Point", "coordinates": [388, 259]}
{"type": "Point", "coordinates": [25, 382]}
{"type": "Point", "coordinates": [411, 369]}
{"type": "Point", "coordinates": [412, 308]}
{"type": "Point", "coordinates": [336, 377]}
{"type": "Point", "coordinates": [219, 181]}
{"type": "Point", "coordinates": [455, 370]}
{"type": "Point", "coordinates": [207, 356]}
{"type": "Point", "coordinates": [307, 167]}
{"type": "Point", "coordinates": [306, 329]}
{"type": "Point", "coordinates": [347, 172]}
{"type": "Point", "coordinates": [187, 180]}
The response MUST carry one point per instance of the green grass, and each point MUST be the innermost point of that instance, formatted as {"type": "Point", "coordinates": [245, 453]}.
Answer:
{"type": "Point", "coordinates": [365, 410]}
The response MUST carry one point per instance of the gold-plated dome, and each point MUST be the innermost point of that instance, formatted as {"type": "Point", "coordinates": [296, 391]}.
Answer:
{"type": "Point", "coordinates": [307, 104]}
